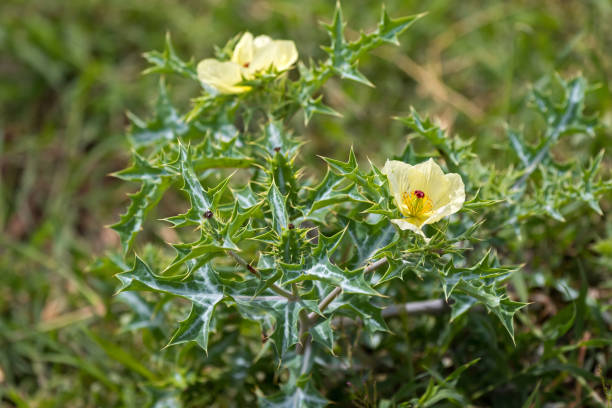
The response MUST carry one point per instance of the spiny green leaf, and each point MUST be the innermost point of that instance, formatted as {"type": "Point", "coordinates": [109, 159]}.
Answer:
{"type": "Point", "coordinates": [281, 169]}
{"type": "Point", "coordinates": [298, 391]}
{"type": "Point", "coordinates": [322, 269]}
{"type": "Point", "coordinates": [166, 125]}
{"type": "Point", "coordinates": [217, 150]}
{"type": "Point", "coordinates": [323, 334]}
{"type": "Point", "coordinates": [131, 222]}
{"type": "Point", "coordinates": [232, 227]}
{"type": "Point", "coordinates": [343, 60]}
{"type": "Point", "coordinates": [202, 201]}
{"type": "Point", "coordinates": [560, 187]}
{"type": "Point", "coordinates": [246, 197]}
{"type": "Point", "coordinates": [202, 288]}
{"type": "Point", "coordinates": [316, 105]}
{"type": "Point", "coordinates": [454, 151]}
{"type": "Point", "coordinates": [344, 56]}
{"type": "Point", "coordinates": [168, 62]}
{"type": "Point", "coordinates": [196, 326]}
{"type": "Point", "coordinates": [292, 246]}
{"type": "Point", "coordinates": [276, 138]}
{"type": "Point", "coordinates": [277, 202]}
{"type": "Point", "coordinates": [201, 251]}
{"type": "Point", "coordinates": [462, 303]}
{"type": "Point", "coordinates": [347, 71]}
{"type": "Point", "coordinates": [287, 316]}
{"type": "Point", "coordinates": [343, 168]}
{"type": "Point", "coordinates": [480, 283]}
{"type": "Point", "coordinates": [370, 185]}
{"type": "Point", "coordinates": [485, 271]}
{"type": "Point", "coordinates": [326, 246]}
{"type": "Point", "coordinates": [222, 163]}
{"type": "Point", "coordinates": [590, 190]}
{"type": "Point", "coordinates": [523, 151]}
{"type": "Point", "coordinates": [368, 239]}
{"type": "Point", "coordinates": [283, 315]}
{"type": "Point", "coordinates": [390, 28]}
{"type": "Point", "coordinates": [562, 117]}
{"type": "Point", "coordinates": [332, 190]}
{"type": "Point", "coordinates": [396, 269]}
{"type": "Point", "coordinates": [142, 170]}
{"type": "Point", "coordinates": [360, 307]}
{"type": "Point", "coordinates": [295, 397]}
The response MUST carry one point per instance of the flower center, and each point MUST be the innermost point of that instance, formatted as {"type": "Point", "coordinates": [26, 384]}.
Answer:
{"type": "Point", "coordinates": [416, 204]}
{"type": "Point", "coordinates": [246, 64]}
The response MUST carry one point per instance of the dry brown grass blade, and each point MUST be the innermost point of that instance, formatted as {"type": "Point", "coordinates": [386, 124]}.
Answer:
{"type": "Point", "coordinates": [432, 84]}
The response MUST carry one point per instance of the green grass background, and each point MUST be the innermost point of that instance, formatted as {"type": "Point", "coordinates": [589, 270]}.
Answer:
{"type": "Point", "coordinates": [69, 70]}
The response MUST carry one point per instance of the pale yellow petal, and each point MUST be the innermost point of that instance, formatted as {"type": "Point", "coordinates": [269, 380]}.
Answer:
{"type": "Point", "coordinates": [432, 181]}
{"type": "Point", "coordinates": [397, 174]}
{"type": "Point", "coordinates": [261, 41]}
{"type": "Point", "coordinates": [244, 50]}
{"type": "Point", "coordinates": [223, 76]}
{"type": "Point", "coordinates": [286, 54]}
{"type": "Point", "coordinates": [262, 55]}
{"type": "Point", "coordinates": [280, 54]}
{"type": "Point", "coordinates": [438, 214]}
{"type": "Point", "coordinates": [418, 177]}
{"type": "Point", "coordinates": [263, 58]}
{"type": "Point", "coordinates": [454, 198]}
{"type": "Point", "coordinates": [457, 191]}
{"type": "Point", "coordinates": [404, 224]}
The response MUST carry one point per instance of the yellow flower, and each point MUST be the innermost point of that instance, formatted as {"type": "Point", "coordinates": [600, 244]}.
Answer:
{"type": "Point", "coordinates": [250, 57]}
{"type": "Point", "coordinates": [423, 193]}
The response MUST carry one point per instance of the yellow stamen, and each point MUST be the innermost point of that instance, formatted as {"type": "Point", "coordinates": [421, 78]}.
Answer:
{"type": "Point", "coordinates": [416, 204]}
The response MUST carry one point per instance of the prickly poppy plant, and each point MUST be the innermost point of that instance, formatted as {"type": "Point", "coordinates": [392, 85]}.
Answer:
{"type": "Point", "coordinates": [284, 284]}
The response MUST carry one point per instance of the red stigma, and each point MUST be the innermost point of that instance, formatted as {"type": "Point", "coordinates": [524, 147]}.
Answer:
{"type": "Point", "coordinates": [246, 64]}
{"type": "Point", "coordinates": [419, 193]}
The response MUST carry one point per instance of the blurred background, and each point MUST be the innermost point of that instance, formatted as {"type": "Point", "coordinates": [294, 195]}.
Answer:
{"type": "Point", "coordinates": [69, 71]}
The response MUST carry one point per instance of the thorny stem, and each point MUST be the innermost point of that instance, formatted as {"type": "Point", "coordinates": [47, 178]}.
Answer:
{"type": "Point", "coordinates": [432, 306]}
{"type": "Point", "coordinates": [375, 265]}
{"type": "Point", "coordinates": [303, 337]}
{"type": "Point", "coordinates": [255, 272]}
{"type": "Point", "coordinates": [312, 317]}
{"type": "Point", "coordinates": [307, 351]}
{"type": "Point", "coordinates": [306, 322]}
{"type": "Point", "coordinates": [326, 302]}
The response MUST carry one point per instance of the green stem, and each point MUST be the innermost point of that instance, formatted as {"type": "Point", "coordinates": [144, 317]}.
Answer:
{"type": "Point", "coordinates": [312, 317]}
{"type": "Point", "coordinates": [255, 272]}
